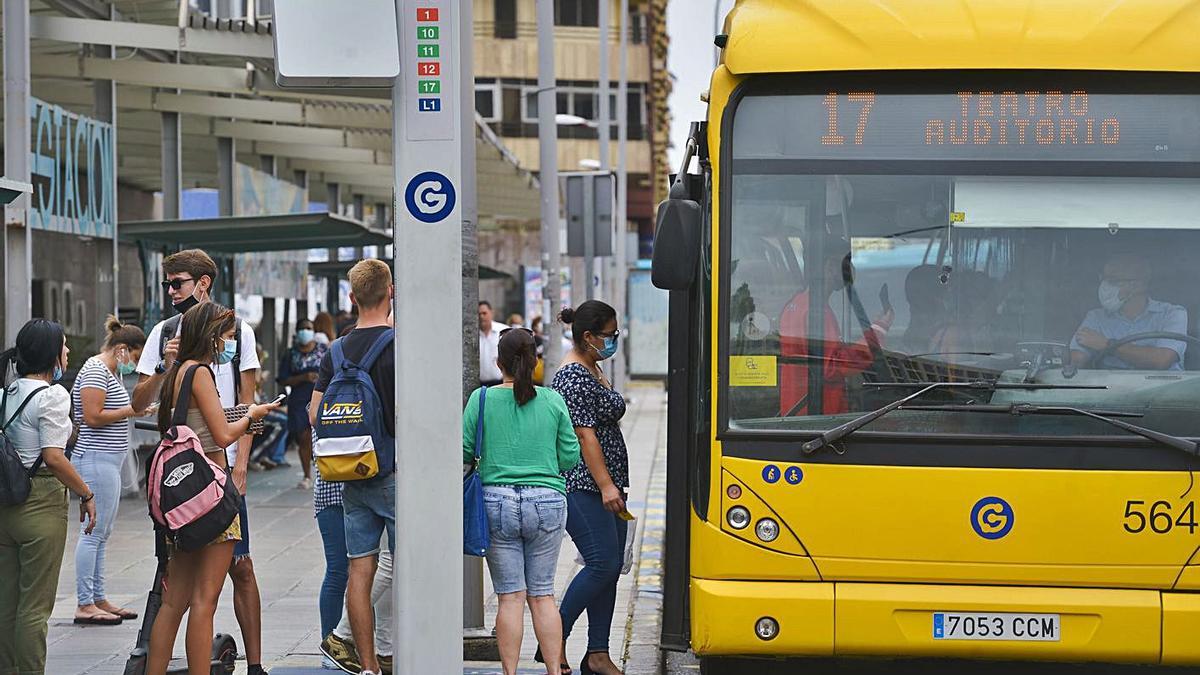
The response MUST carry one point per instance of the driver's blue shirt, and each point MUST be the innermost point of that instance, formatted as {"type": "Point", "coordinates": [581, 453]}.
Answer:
{"type": "Point", "coordinates": [1159, 317]}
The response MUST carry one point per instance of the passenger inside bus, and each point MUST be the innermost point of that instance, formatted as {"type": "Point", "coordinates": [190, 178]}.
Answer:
{"type": "Point", "coordinates": [839, 360]}
{"type": "Point", "coordinates": [1126, 309]}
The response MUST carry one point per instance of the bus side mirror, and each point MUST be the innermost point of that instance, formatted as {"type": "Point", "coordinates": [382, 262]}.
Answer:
{"type": "Point", "coordinates": [676, 241]}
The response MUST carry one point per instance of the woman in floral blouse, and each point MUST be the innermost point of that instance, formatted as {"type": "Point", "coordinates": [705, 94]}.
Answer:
{"type": "Point", "coordinates": [298, 370]}
{"type": "Point", "coordinates": [596, 487]}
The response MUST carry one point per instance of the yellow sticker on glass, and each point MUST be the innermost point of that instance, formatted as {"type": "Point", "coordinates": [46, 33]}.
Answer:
{"type": "Point", "coordinates": [958, 216]}
{"type": "Point", "coordinates": [753, 371]}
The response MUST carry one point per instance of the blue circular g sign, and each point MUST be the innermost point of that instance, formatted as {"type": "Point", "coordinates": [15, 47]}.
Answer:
{"type": "Point", "coordinates": [992, 518]}
{"type": "Point", "coordinates": [429, 197]}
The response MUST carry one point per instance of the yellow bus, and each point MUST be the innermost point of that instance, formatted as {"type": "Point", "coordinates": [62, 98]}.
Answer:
{"type": "Point", "coordinates": [935, 373]}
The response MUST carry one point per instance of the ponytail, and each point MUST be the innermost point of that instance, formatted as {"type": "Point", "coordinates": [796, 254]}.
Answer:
{"type": "Point", "coordinates": [517, 356]}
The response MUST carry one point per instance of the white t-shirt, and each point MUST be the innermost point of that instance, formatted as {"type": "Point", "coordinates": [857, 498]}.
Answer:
{"type": "Point", "coordinates": [224, 373]}
{"type": "Point", "coordinates": [489, 350]}
{"type": "Point", "coordinates": [44, 423]}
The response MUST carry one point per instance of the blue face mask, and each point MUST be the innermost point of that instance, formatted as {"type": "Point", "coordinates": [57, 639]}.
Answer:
{"type": "Point", "coordinates": [305, 335]}
{"type": "Point", "coordinates": [227, 354]}
{"type": "Point", "coordinates": [125, 368]}
{"type": "Point", "coordinates": [58, 373]}
{"type": "Point", "coordinates": [610, 348]}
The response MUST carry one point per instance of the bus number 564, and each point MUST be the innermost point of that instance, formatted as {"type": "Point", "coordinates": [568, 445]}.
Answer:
{"type": "Point", "coordinates": [1158, 517]}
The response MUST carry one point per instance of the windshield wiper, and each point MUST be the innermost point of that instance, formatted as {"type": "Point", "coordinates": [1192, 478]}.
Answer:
{"type": "Point", "coordinates": [839, 432]}
{"type": "Point", "coordinates": [1106, 416]}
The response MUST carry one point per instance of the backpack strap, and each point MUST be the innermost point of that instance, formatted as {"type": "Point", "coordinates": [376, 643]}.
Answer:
{"type": "Point", "coordinates": [236, 363]}
{"type": "Point", "coordinates": [337, 355]}
{"type": "Point", "coordinates": [169, 328]}
{"type": "Point", "coordinates": [184, 399]}
{"type": "Point", "coordinates": [385, 338]}
{"type": "Point", "coordinates": [479, 426]}
{"type": "Point", "coordinates": [21, 408]}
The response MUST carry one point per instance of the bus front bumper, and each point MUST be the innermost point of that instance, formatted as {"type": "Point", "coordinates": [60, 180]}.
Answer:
{"type": "Point", "coordinates": [897, 620]}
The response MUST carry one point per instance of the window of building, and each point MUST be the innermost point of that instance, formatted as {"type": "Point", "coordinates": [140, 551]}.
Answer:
{"type": "Point", "coordinates": [576, 13]}
{"type": "Point", "coordinates": [637, 28]}
{"type": "Point", "coordinates": [487, 101]}
{"type": "Point", "coordinates": [529, 107]}
{"type": "Point", "coordinates": [506, 19]}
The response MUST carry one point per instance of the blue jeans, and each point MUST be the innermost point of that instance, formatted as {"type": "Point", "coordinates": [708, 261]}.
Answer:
{"type": "Point", "coordinates": [102, 472]}
{"type": "Point", "coordinates": [600, 537]}
{"type": "Point", "coordinates": [331, 523]}
{"type": "Point", "coordinates": [370, 508]}
{"type": "Point", "coordinates": [525, 525]}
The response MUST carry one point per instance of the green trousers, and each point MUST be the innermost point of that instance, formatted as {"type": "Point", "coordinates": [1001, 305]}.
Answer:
{"type": "Point", "coordinates": [32, 538]}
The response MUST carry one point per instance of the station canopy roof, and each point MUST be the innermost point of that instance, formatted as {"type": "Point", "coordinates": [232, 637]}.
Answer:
{"type": "Point", "coordinates": [218, 75]}
{"type": "Point", "coordinates": [252, 234]}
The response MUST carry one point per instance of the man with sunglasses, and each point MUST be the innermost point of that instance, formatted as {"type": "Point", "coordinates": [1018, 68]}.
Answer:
{"type": "Point", "coordinates": [1126, 308]}
{"type": "Point", "coordinates": [188, 280]}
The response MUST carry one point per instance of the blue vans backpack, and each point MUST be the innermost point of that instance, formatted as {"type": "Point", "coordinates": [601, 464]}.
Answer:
{"type": "Point", "coordinates": [352, 440]}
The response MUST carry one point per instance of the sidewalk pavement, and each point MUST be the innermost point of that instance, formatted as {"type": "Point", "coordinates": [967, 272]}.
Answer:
{"type": "Point", "coordinates": [289, 561]}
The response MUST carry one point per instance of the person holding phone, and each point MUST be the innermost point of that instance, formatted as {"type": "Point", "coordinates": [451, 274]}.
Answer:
{"type": "Point", "coordinates": [596, 487]}
{"type": "Point", "coordinates": [298, 370]}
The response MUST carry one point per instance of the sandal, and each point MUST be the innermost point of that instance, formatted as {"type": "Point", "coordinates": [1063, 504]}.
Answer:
{"type": "Point", "coordinates": [99, 619]}
{"type": "Point", "coordinates": [127, 614]}
{"type": "Point", "coordinates": [564, 668]}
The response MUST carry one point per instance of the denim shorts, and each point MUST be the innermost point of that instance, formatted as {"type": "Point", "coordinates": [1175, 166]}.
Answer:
{"type": "Point", "coordinates": [370, 510]}
{"type": "Point", "coordinates": [526, 528]}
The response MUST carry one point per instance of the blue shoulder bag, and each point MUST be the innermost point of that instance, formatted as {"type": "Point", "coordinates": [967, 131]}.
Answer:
{"type": "Point", "coordinates": [475, 522]}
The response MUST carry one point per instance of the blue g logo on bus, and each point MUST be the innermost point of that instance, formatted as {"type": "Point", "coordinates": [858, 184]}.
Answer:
{"type": "Point", "coordinates": [992, 518]}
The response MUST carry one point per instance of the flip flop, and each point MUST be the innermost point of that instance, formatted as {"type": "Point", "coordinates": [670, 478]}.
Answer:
{"type": "Point", "coordinates": [127, 614]}
{"type": "Point", "coordinates": [99, 620]}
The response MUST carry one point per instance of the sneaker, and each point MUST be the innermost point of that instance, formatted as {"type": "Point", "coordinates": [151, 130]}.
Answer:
{"type": "Point", "coordinates": [254, 466]}
{"type": "Point", "coordinates": [304, 484]}
{"type": "Point", "coordinates": [342, 652]}
{"type": "Point", "coordinates": [328, 663]}
{"type": "Point", "coordinates": [385, 664]}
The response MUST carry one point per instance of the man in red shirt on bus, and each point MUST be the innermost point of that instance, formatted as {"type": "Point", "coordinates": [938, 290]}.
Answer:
{"type": "Point", "coordinates": [839, 360]}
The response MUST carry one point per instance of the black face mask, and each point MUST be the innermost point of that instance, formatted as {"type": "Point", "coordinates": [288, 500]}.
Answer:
{"type": "Point", "coordinates": [187, 303]}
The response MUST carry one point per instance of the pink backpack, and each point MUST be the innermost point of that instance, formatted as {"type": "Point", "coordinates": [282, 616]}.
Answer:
{"type": "Point", "coordinates": [191, 497]}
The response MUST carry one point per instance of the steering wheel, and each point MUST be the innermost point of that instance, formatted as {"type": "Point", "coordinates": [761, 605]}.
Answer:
{"type": "Point", "coordinates": [1156, 335]}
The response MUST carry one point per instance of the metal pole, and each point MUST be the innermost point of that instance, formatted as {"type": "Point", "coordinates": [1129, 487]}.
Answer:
{"type": "Point", "coordinates": [333, 204]}
{"type": "Point", "coordinates": [548, 177]}
{"type": "Point", "coordinates": [602, 125]}
{"type": "Point", "coordinates": [473, 618]}
{"type": "Point", "coordinates": [226, 162]}
{"type": "Point", "coordinates": [18, 252]}
{"type": "Point", "coordinates": [104, 103]}
{"type": "Point", "coordinates": [589, 236]}
{"type": "Point", "coordinates": [716, 31]}
{"type": "Point", "coordinates": [620, 281]}
{"type": "Point", "coordinates": [603, 131]}
{"type": "Point", "coordinates": [427, 145]}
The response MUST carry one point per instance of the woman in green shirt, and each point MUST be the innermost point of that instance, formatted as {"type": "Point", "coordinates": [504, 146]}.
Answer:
{"type": "Point", "coordinates": [528, 441]}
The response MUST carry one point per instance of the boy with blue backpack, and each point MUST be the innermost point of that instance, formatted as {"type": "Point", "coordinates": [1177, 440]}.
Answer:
{"type": "Point", "coordinates": [353, 413]}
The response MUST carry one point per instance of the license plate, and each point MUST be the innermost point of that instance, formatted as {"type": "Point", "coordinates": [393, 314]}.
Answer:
{"type": "Point", "coordinates": [996, 626]}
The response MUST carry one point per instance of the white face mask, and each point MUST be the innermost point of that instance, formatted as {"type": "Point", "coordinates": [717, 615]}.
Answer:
{"type": "Point", "coordinates": [1110, 296]}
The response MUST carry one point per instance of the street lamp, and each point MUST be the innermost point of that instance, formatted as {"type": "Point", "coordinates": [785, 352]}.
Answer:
{"type": "Point", "coordinates": [564, 120]}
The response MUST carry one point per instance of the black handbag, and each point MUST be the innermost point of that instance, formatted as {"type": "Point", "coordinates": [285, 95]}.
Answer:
{"type": "Point", "coordinates": [15, 480]}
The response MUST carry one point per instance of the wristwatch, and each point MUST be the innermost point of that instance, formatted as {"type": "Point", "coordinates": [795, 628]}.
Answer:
{"type": "Point", "coordinates": [84, 500]}
{"type": "Point", "coordinates": [161, 367]}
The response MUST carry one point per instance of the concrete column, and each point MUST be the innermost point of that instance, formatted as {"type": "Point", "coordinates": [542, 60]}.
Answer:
{"type": "Point", "coordinates": [172, 166]}
{"type": "Point", "coordinates": [268, 330]}
{"type": "Point", "coordinates": [333, 202]}
{"type": "Point", "coordinates": [226, 162]}
{"type": "Point", "coordinates": [300, 177]}
{"type": "Point", "coordinates": [360, 214]}
{"type": "Point", "coordinates": [18, 240]}
{"type": "Point", "coordinates": [104, 103]}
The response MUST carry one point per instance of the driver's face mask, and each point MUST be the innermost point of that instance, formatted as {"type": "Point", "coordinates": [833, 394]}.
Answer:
{"type": "Point", "coordinates": [1110, 296]}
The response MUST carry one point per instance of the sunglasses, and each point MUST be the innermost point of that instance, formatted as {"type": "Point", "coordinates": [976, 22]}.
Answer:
{"type": "Point", "coordinates": [174, 284]}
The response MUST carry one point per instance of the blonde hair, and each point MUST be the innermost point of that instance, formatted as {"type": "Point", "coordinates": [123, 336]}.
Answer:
{"type": "Point", "coordinates": [370, 280]}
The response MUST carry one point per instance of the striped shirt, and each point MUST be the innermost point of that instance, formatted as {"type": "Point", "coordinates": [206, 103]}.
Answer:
{"type": "Point", "coordinates": [109, 438]}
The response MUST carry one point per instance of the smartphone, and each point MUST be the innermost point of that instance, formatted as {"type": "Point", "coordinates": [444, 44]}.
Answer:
{"type": "Point", "coordinates": [884, 300]}
{"type": "Point", "coordinates": [279, 399]}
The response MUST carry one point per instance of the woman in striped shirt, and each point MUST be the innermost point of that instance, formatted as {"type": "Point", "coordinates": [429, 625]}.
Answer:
{"type": "Point", "coordinates": [101, 412]}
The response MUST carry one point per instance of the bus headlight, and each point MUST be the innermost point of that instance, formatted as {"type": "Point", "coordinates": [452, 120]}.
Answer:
{"type": "Point", "coordinates": [738, 517]}
{"type": "Point", "coordinates": [766, 628]}
{"type": "Point", "coordinates": [767, 529]}
{"type": "Point", "coordinates": [734, 491]}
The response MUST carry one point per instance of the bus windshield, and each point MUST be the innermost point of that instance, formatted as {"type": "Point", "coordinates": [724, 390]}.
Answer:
{"type": "Point", "coordinates": [876, 241]}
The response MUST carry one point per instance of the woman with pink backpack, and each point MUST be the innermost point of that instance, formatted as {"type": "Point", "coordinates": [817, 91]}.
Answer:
{"type": "Point", "coordinates": [195, 577]}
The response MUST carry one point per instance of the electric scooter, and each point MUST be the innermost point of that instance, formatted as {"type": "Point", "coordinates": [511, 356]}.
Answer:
{"type": "Point", "coordinates": [224, 647]}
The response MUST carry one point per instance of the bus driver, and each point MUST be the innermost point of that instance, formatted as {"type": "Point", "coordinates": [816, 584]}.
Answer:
{"type": "Point", "coordinates": [1127, 309]}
